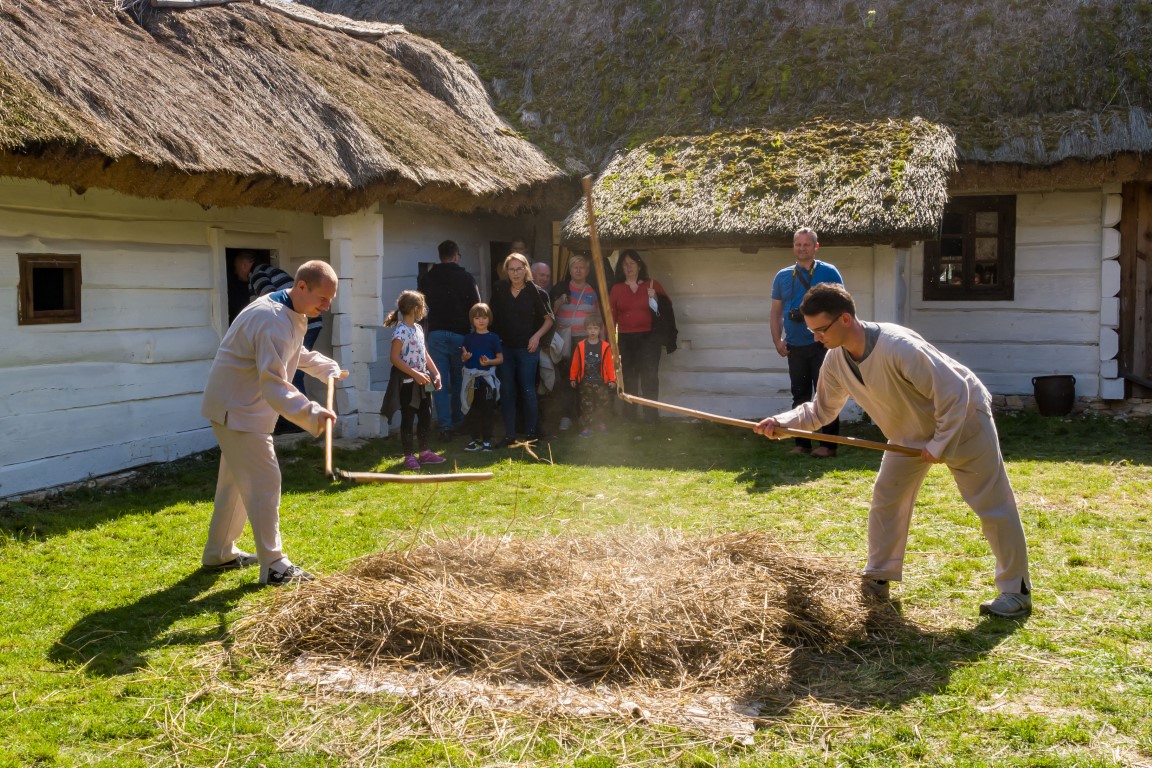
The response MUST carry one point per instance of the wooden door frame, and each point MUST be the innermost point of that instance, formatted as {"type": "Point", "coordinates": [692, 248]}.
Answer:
{"type": "Point", "coordinates": [1135, 246]}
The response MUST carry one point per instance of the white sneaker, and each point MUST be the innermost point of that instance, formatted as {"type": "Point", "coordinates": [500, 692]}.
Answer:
{"type": "Point", "coordinates": [565, 423]}
{"type": "Point", "coordinates": [1008, 605]}
{"type": "Point", "coordinates": [291, 574]}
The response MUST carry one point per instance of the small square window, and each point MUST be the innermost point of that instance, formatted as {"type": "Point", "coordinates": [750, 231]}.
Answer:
{"type": "Point", "coordinates": [49, 290]}
{"type": "Point", "coordinates": [974, 257]}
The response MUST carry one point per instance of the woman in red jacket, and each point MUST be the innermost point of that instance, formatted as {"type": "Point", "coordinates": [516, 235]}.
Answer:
{"type": "Point", "coordinates": [634, 303]}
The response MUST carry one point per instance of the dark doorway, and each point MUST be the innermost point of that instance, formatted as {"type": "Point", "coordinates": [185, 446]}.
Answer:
{"type": "Point", "coordinates": [237, 288]}
{"type": "Point", "coordinates": [497, 252]}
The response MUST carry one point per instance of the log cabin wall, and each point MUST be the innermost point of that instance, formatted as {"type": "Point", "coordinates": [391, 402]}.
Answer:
{"type": "Point", "coordinates": [1052, 325]}
{"type": "Point", "coordinates": [121, 387]}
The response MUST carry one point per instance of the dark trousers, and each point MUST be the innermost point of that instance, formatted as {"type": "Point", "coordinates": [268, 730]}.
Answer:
{"type": "Point", "coordinates": [421, 414]}
{"type": "Point", "coordinates": [804, 372]}
{"type": "Point", "coordinates": [310, 337]}
{"type": "Point", "coordinates": [640, 361]}
{"type": "Point", "coordinates": [478, 420]}
{"type": "Point", "coordinates": [518, 385]}
{"type": "Point", "coordinates": [282, 424]}
{"type": "Point", "coordinates": [595, 403]}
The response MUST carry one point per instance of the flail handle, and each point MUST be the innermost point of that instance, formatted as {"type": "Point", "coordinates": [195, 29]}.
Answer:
{"type": "Point", "coordinates": [328, 430]}
{"type": "Point", "coordinates": [704, 415]}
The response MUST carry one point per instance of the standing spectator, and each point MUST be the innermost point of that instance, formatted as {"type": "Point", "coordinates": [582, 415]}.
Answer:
{"type": "Point", "coordinates": [551, 373]}
{"type": "Point", "coordinates": [414, 378]}
{"type": "Point", "coordinates": [593, 376]}
{"type": "Point", "coordinates": [450, 291]}
{"type": "Point", "coordinates": [542, 276]}
{"type": "Point", "coordinates": [521, 318]}
{"type": "Point", "coordinates": [636, 301]}
{"type": "Point", "coordinates": [919, 397]}
{"type": "Point", "coordinates": [574, 300]}
{"type": "Point", "coordinates": [248, 386]}
{"type": "Point", "coordinates": [482, 356]}
{"type": "Point", "coordinates": [791, 336]}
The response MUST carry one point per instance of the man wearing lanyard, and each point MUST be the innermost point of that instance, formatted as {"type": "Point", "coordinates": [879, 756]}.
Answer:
{"type": "Point", "coordinates": [791, 336]}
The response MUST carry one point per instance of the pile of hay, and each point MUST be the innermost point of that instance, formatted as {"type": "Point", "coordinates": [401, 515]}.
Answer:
{"type": "Point", "coordinates": [657, 609]}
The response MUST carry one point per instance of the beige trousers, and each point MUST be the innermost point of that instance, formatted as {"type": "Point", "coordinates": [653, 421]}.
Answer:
{"type": "Point", "coordinates": [978, 469]}
{"type": "Point", "coordinates": [247, 488]}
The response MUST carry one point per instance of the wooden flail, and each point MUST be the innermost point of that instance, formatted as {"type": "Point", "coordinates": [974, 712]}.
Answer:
{"type": "Point", "coordinates": [380, 477]}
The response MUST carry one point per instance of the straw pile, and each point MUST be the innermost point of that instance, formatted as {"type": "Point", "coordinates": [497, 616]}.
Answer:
{"type": "Point", "coordinates": [656, 609]}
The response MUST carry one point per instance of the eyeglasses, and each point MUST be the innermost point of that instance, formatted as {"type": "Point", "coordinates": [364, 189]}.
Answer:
{"type": "Point", "coordinates": [823, 329]}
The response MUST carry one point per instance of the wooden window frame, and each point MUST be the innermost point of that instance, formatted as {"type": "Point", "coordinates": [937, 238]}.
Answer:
{"type": "Point", "coordinates": [26, 309]}
{"type": "Point", "coordinates": [967, 207]}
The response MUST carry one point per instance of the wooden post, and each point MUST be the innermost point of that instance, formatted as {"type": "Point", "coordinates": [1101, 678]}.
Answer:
{"type": "Point", "coordinates": [598, 265]}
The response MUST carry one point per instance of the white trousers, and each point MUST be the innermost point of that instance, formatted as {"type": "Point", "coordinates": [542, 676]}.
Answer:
{"type": "Point", "coordinates": [247, 488]}
{"type": "Point", "coordinates": [978, 469]}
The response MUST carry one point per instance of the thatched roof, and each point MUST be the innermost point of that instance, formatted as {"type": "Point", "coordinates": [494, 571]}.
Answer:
{"type": "Point", "coordinates": [882, 181]}
{"type": "Point", "coordinates": [251, 103]}
{"type": "Point", "coordinates": [1034, 82]}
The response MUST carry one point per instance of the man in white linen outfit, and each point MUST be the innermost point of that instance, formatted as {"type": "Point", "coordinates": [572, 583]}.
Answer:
{"type": "Point", "coordinates": [922, 398]}
{"type": "Point", "coordinates": [249, 384]}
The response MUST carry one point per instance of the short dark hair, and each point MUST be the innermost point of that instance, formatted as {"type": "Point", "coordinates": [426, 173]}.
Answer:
{"type": "Point", "coordinates": [828, 298]}
{"type": "Point", "coordinates": [448, 250]}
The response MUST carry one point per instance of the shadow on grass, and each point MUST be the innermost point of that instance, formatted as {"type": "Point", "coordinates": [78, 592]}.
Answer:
{"type": "Point", "coordinates": [117, 641]}
{"type": "Point", "coordinates": [897, 662]}
{"type": "Point", "coordinates": [191, 480]}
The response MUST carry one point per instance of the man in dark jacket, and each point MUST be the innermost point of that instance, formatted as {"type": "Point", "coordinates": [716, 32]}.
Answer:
{"type": "Point", "coordinates": [450, 292]}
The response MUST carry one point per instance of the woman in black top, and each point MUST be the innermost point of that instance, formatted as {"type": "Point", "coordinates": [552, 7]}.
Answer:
{"type": "Point", "coordinates": [521, 318]}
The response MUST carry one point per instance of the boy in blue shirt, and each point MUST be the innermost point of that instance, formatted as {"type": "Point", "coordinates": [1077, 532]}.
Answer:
{"type": "Point", "coordinates": [480, 387]}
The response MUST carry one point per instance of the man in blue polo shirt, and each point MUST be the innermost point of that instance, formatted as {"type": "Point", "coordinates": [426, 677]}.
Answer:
{"type": "Point", "coordinates": [791, 336]}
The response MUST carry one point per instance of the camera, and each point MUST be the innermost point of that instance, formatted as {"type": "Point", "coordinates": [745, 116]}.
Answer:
{"type": "Point", "coordinates": [795, 316]}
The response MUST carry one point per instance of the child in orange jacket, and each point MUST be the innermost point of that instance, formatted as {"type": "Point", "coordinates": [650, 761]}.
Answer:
{"type": "Point", "coordinates": [593, 375]}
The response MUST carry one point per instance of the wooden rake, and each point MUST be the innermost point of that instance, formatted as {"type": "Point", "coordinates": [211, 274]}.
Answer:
{"type": "Point", "coordinates": [610, 325]}
{"type": "Point", "coordinates": [380, 477]}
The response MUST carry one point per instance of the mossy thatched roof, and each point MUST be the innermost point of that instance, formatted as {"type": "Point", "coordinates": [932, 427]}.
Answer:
{"type": "Point", "coordinates": [250, 103]}
{"type": "Point", "coordinates": [1030, 82]}
{"type": "Point", "coordinates": [883, 181]}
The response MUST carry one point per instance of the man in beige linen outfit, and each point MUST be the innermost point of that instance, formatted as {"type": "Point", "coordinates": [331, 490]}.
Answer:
{"type": "Point", "coordinates": [922, 398]}
{"type": "Point", "coordinates": [249, 384]}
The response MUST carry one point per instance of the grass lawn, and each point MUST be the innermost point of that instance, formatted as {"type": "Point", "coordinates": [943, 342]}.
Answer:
{"type": "Point", "coordinates": [115, 649]}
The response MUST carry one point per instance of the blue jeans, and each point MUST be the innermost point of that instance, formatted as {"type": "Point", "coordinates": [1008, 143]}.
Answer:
{"type": "Point", "coordinates": [518, 382]}
{"type": "Point", "coordinates": [444, 349]}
